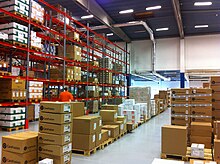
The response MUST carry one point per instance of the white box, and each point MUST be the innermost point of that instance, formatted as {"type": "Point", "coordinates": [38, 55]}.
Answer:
{"type": "Point", "coordinates": [129, 101]}
{"type": "Point", "coordinates": [46, 161]}
{"type": "Point", "coordinates": [121, 109]}
{"type": "Point", "coordinates": [18, 110]}
{"type": "Point", "coordinates": [132, 116]}
{"type": "Point", "coordinates": [14, 25]}
{"type": "Point", "coordinates": [15, 71]}
{"type": "Point", "coordinates": [197, 150]}
{"type": "Point", "coordinates": [3, 36]}
{"type": "Point", "coordinates": [12, 123]}
{"type": "Point", "coordinates": [12, 117]}
{"type": "Point", "coordinates": [37, 110]}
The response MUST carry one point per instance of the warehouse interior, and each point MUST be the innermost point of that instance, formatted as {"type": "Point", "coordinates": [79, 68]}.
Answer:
{"type": "Point", "coordinates": [109, 81]}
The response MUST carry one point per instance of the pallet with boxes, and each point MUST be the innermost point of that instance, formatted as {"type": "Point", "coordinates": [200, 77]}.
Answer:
{"type": "Point", "coordinates": [215, 86]}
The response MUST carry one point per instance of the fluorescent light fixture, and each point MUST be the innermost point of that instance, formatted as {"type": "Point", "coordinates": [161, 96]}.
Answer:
{"type": "Point", "coordinates": [132, 22]}
{"type": "Point", "coordinates": [162, 29]}
{"type": "Point", "coordinates": [126, 11]}
{"type": "Point", "coordinates": [153, 8]}
{"type": "Point", "coordinates": [87, 16]}
{"type": "Point", "coordinates": [110, 34]}
{"type": "Point", "coordinates": [202, 3]}
{"type": "Point", "coordinates": [202, 26]}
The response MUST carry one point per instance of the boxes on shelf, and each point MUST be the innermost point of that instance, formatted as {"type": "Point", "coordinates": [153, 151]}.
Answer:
{"type": "Point", "coordinates": [108, 115]}
{"type": "Point", "coordinates": [140, 94]}
{"type": "Point", "coordinates": [49, 49]}
{"type": "Point", "coordinates": [37, 12]}
{"type": "Point", "coordinates": [113, 130]}
{"type": "Point", "coordinates": [93, 106]}
{"type": "Point", "coordinates": [35, 90]}
{"type": "Point", "coordinates": [35, 41]}
{"type": "Point", "coordinates": [105, 77]}
{"type": "Point", "coordinates": [13, 95]}
{"type": "Point", "coordinates": [105, 63]}
{"type": "Point", "coordinates": [117, 67]}
{"type": "Point", "coordinates": [72, 52]}
{"type": "Point", "coordinates": [12, 84]}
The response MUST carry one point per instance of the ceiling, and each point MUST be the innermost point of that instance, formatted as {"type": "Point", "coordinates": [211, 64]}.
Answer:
{"type": "Point", "coordinates": [164, 17]}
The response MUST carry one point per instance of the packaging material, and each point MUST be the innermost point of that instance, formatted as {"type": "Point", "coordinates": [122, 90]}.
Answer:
{"type": "Point", "coordinates": [52, 139]}
{"type": "Point", "coordinates": [65, 159]}
{"type": "Point", "coordinates": [12, 110]}
{"type": "Point", "coordinates": [11, 124]}
{"type": "Point", "coordinates": [84, 141]}
{"type": "Point", "coordinates": [114, 129]}
{"type": "Point", "coordinates": [55, 107]}
{"type": "Point", "coordinates": [174, 140]}
{"type": "Point", "coordinates": [37, 12]}
{"type": "Point", "coordinates": [55, 129]}
{"type": "Point", "coordinates": [110, 107]}
{"type": "Point", "coordinates": [108, 115]}
{"type": "Point", "coordinates": [197, 150]}
{"type": "Point", "coordinates": [55, 118]}
{"type": "Point", "coordinates": [55, 150]}
{"type": "Point", "coordinates": [46, 161]}
{"type": "Point", "coordinates": [217, 150]}
{"type": "Point", "coordinates": [77, 109]}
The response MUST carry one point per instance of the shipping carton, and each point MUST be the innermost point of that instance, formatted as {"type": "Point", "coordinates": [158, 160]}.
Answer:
{"type": "Point", "coordinates": [201, 110]}
{"type": "Point", "coordinates": [217, 150]}
{"type": "Point", "coordinates": [197, 150]}
{"type": "Point", "coordinates": [119, 123]}
{"type": "Point", "coordinates": [114, 129]}
{"type": "Point", "coordinates": [180, 120]}
{"type": "Point", "coordinates": [77, 109]}
{"type": "Point", "coordinates": [55, 118]}
{"type": "Point", "coordinates": [174, 140]}
{"type": "Point", "coordinates": [110, 107]}
{"type": "Point", "coordinates": [201, 119]}
{"type": "Point", "coordinates": [51, 139]}
{"type": "Point", "coordinates": [12, 84]}
{"type": "Point", "coordinates": [202, 140]}
{"type": "Point", "coordinates": [98, 138]}
{"type": "Point", "coordinates": [180, 110]}
{"type": "Point", "coordinates": [55, 129]}
{"type": "Point", "coordinates": [55, 107]}
{"type": "Point", "coordinates": [105, 135]}
{"type": "Point", "coordinates": [84, 141]}
{"type": "Point", "coordinates": [55, 150]}
{"type": "Point", "coordinates": [64, 159]}
{"type": "Point", "coordinates": [201, 91]}
{"type": "Point", "coordinates": [217, 128]}
{"type": "Point", "coordinates": [181, 91]}
{"type": "Point", "coordinates": [108, 115]}
{"type": "Point", "coordinates": [201, 129]}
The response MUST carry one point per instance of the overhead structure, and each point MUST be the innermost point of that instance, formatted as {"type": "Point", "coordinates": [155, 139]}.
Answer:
{"type": "Point", "coordinates": [96, 10]}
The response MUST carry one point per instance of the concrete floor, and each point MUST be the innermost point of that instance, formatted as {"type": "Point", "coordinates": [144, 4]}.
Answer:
{"type": "Point", "coordinates": [140, 147]}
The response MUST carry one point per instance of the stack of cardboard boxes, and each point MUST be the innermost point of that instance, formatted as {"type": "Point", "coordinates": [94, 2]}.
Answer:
{"type": "Point", "coordinates": [117, 67]}
{"type": "Point", "coordinates": [72, 52]}
{"type": "Point", "coordinates": [35, 90]}
{"type": "Point", "coordinates": [20, 148]}
{"type": "Point", "coordinates": [37, 12]}
{"type": "Point", "coordinates": [215, 86]}
{"type": "Point", "coordinates": [35, 41]}
{"type": "Point", "coordinates": [55, 127]}
{"type": "Point", "coordinates": [105, 77]}
{"type": "Point", "coordinates": [217, 142]}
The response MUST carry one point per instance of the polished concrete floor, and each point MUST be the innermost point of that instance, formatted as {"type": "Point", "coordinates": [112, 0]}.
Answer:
{"type": "Point", "coordinates": [139, 147]}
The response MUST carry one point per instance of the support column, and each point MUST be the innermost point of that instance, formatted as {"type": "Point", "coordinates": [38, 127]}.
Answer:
{"type": "Point", "coordinates": [182, 63]}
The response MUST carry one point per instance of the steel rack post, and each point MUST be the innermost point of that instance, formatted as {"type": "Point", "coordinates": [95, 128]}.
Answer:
{"type": "Point", "coordinates": [87, 67]}
{"type": "Point", "coordinates": [64, 50]}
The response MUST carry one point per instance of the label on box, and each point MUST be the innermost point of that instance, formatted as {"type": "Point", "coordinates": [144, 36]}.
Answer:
{"type": "Point", "coordinates": [93, 138]}
{"type": "Point", "coordinates": [66, 108]}
{"type": "Point", "coordinates": [187, 112]}
{"type": "Point", "coordinates": [109, 133]}
{"type": "Point", "coordinates": [67, 148]}
{"type": "Point", "coordinates": [100, 137]}
{"type": "Point", "coordinates": [115, 116]}
{"type": "Point", "coordinates": [67, 117]}
{"type": "Point", "coordinates": [67, 138]}
{"type": "Point", "coordinates": [94, 126]}
{"type": "Point", "coordinates": [66, 128]}
{"type": "Point", "coordinates": [187, 92]}
{"type": "Point", "coordinates": [66, 158]}
{"type": "Point", "coordinates": [17, 94]}
{"type": "Point", "coordinates": [100, 123]}
{"type": "Point", "coordinates": [187, 98]}
{"type": "Point", "coordinates": [122, 126]}
{"type": "Point", "coordinates": [13, 94]}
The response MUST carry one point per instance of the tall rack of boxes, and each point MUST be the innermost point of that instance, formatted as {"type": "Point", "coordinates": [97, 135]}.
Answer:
{"type": "Point", "coordinates": [52, 51]}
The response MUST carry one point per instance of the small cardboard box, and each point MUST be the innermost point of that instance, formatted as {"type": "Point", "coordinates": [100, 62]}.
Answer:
{"type": "Point", "coordinates": [86, 124]}
{"type": "Point", "coordinates": [13, 158]}
{"type": "Point", "coordinates": [108, 115]}
{"type": "Point", "coordinates": [55, 129]}
{"type": "Point", "coordinates": [180, 120]}
{"type": "Point", "coordinates": [84, 141]}
{"type": "Point", "coordinates": [55, 150]}
{"type": "Point", "coordinates": [55, 118]}
{"type": "Point", "coordinates": [64, 159]}
{"type": "Point", "coordinates": [77, 109]}
{"type": "Point", "coordinates": [174, 139]}
{"type": "Point", "coordinates": [105, 135]}
{"type": "Point", "coordinates": [202, 140]}
{"type": "Point", "coordinates": [98, 138]}
{"type": "Point", "coordinates": [119, 123]}
{"type": "Point", "coordinates": [114, 129]}
{"type": "Point", "coordinates": [217, 150]}
{"type": "Point", "coordinates": [44, 138]}
{"type": "Point", "coordinates": [55, 107]}
{"type": "Point", "coordinates": [201, 110]}
{"type": "Point", "coordinates": [197, 150]}
{"type": "Point", "coordinates": [202, 129]}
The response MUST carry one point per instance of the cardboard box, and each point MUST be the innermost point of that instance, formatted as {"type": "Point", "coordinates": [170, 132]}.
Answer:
{"type": "Point", "coordinates": [201, 129]}
{"type": "Point", "coordinates": [84, 141]}
{"type": "Point", "coordinates": [77, 109]}
{"type": "Point", "coordinates": [65, 159]}
{"type": "Point", "coordinates": [119, 123]}
{"type": "Point", "coordinates": [215, 96]}
{"type": "Point", "coordinates": [193, 161]}
{"type": "Point", "coordinates": [55, 129]}
{"type": "Point", "coordinates": [216, 105]}
{"type": "Point", "coordinates": [216, 114]}
{"type": "Point", "coordinates": [31, 112]}
{"type": "Point", "coordinates": [200, 91]}
{"type": "Point", "coordinates": [202, 140]}
{"type": "Point", "coordinates": [13, 158]}
{"type": "Point", "coordinates": [206, 85]}
{"type": "Point", "coordinates": [51, 139]}
{"type": "Point", "coordinates": [197, 150]}
{"type": "Point", "coordinates": [215, 89]}
{"type": "Point", "coordinates": [180, 110]}
{"type": "Point", "coordinates": [201, 119]}
{"type": "Point", "coordinates": [12, 84]}
{"type": "Point", "coordinates": [181, 91]}
{"type": "Point", "coordinates": [180, 120]}
{"type": "Point", "coordinates": [215, 81]}
{"type": "Point", "coordinates": [98, 139]}
{"type": "Point", "coordinates": [114, 129]}
{"type": "Point", "coordinates": [217, 127]}
{"type": "Point", "coordinates": [110, 107]}
{"type": "Point", "coordinates": [130, 126]}
{"type": "Point", "coordinates": [181, 100]}
{"type": "Point", "coordinates": [86, 124]}
{"type": "Point", "coordinates": [20, 142]}
{"type": "Point", "coordinates": [55, 107]}
{"type": "Point", "coordinates": [201, 100]}
{"type": "Point", "coordinates": [55, 118]}
{"type": "Point", "coordinates": [55, 150]}
{"type": "Point", "coordinates": [174, 140]}
{"type": "Point", "coordinates": [108, 115]}
{"type": "Point", "coordinates": [105, 135]}
{"type": "Point", "coordinates": [217, 150]}
{"type": "Point", "coordinates": [201, 110]}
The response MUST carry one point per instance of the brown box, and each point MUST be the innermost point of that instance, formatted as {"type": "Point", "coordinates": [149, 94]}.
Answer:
{"type": "Point", "coordinates": [12, 84]}
{"type": "Point", "coordinates": [202, 140]}
{"type": "Point", "coordinates": [216, 96]}
{"type": "Point", "coordinates": [84, 141]}
{"type": "Point", "coordinates": [179, 100]}
{"type": "Point", "coordinates": [65, 159]}
{"type": "Point", "coordinates": [180, 110]}
{"type": "Point", "coordinates": [110, 107]}
{"type": "Point", "coordinates": [86, 124]}
{"type": "Point", "coordinates": [201, 129]}
{"type": "Point", "coordinates": [215, 81]}
{"type": "Point", "coordinates": [201, 119]}
{"type": "Point", "coordinates": [217, 150]}
{"type": "Point", "coordinates": [51, 139]}
{"type": "Point", "coordinates": [216, 114]}
{"type": "Point", "coordinates": [55, 118]}
{"type": "Point", "coordinates": [55, 107]}
{"type": "Point", "coordinates": [55, 129]}
{"type": "Point", "coordinates": [206, 85]}
{"type": "Point", "coordinates": [31, 112]}
{"type": "Point", "coordinates": [114, 129]}
{"type": "Point", "coordinates": [20, 142]}
{"type": "Point", "coordinates": [93, 106]}
{"type": "Point", "coordinates": [130, 126]}
{"type": "Point", "coordinates": [105, 135]}
{"type": "Point", "coordinates": [217, 125]}
{"type": "Point", "coordinates": [181, 91]}
{"type": "Point", "coordinates": [201, 91]}
{"type": "Point", "coordinates": [98, 139]}
{"type": "Point", "coordinates": [215, 89]}
{"type": "Point", "coordinates": [12, 95]}
{"type": "Point", "coordinates": [162, 94]}
{"type": "Point", "coordinates": [215, 105]}
{"type": "Point", "coordinates": [180, 120]}
{"type": "Point", "coordinates": [14, 158]}
{"type": "Point", "coordinates": [201, 110]}
{"type": "Point", "coordinates": [108, 115]}
{"type": "Point", "coordinates": [119, 123]}
{"type": "Point", "coordinates": [55, 150]}
{"type": "Point", "coordinates": [174, 140]}
{"type": "Point", "coordinates": [201, 100]}
{"type": "Point", "coordinates": [77, 109]}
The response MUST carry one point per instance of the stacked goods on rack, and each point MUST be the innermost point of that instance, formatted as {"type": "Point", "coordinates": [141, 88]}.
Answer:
{"type": "Point", "coordinates": [37, 12]}
{"type": "Point", "coordinates": [16, 6]}
{"type": "Point", "coordinates": [33, 112]}
{"type": "Point", "coordinates": [17, 33]}
{"type": "Point", "coordinates": [93, 106]}
{"type": "Point", "coordinates": [55, 127]}
{"type": "Point", "coordinates": [3, 36]}
{"type": "Point", "coordinates": [12, 117]}
{"type": "Point", "coordinates": [105, 77]}
{"type": "Point", "coordinates": [35, 91]}
{"type": "Point", "coordinates": [217, 142]}
{"type": "Point", "coordinates": [49, 49]}
{"type": "Point", "coordinates": [20, 148]}
{"type": "Point", "coordinates": [105, 63]}
{"type": "Point", "coordinates": [154, 108]}
{"type": "Point", "coordinates": [90, 79]}
{"type": "Point", "coordinates": [93, 91]}
{"type": "Point", "coordinates": [215, 86]}
{"type": "Point", "coordinates": [117, 67]}
{"type": "Point", "coordinates": [73, 52]}
{"type": "Point", "coordinates": [35, 41]}
{"type": "Point", "coordinates": [12, 90]}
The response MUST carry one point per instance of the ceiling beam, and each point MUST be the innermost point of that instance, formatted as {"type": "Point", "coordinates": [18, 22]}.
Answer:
{"type": "Point", "coordinates": [92, 7]}
{"type": "Point", "coordinates": [177, 12]}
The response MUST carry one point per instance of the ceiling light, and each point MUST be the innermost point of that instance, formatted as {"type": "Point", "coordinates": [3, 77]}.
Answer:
{"type": "Point", "coordinates": [132, 22]}
{"type": "Point", "coordinates": [162, 29]}
{"type": "Point", "coordinates": [140, 31]}
{"type": "Point", "coordinates": [110, 34]}
{"type": "Point", "coordinates": [153, 8]}
{"type": "Point", "coordinates": [126, 11]}
{"type": "Point", "coordinates": [201, 26]}
{"type": "Point", "coordinates": [87, 16]}
{"type": "Point", "coordinates": [202, 3]}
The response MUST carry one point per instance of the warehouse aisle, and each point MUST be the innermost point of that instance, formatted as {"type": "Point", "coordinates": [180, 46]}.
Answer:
{"type": "Point", "coordinates": [140, 147]}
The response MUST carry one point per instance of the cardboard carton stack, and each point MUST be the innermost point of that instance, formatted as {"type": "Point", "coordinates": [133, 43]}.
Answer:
{"type": "Point", "coordinates": [154, 108]}
{"type": "Point", "coordinates": [37, 12]}
{"type": "Point", "coordinates": [20, 148]}
{"type": "Point", "coordinates": [87, 132]}
{"type": "Point", "coordinates": [11, 117]}
{"type": "Point", "coordinates": [105, 77]}
{"type": "Point", "coordinates": [33, 112]}
{"type": "Point", "coordinates": [105, 63]}
{"type": "Point", "coordinates": [215, 86]}
{"type": "Point", "coordinates": [35, 41]}
{"type": "Point", "coordinates": [55, 127]}
{"type": "Point", "coordinates": [16, 32]}
{"type": "Point", "coordinates": [72, 52]}
{"type": "Point", "coordinates": [117, 67]}
{"type": "Point", "coordinates": [217, 142]}
{"type": "Point", "coordinates": [35, 90]}
{"type": "Point", "coordinates": [93, 106]}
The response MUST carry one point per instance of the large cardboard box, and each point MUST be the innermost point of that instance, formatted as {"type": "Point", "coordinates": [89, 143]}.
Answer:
{"type": "Point", "coordinates": [201, 119]}
{"type": "Point", "coordinates": [181, 91]}
{"type": "Point", "coordinates": [215, 81]}
{"type": "Point", "coordinates": [202, 140]}
{"type": "Point", "coordinates": [182, 99]}
{"type": "Point", "coordinates": [12, 84]}
{"type": "Point", "coordinates": [14, 158]}
{"type": "Point", "coordinates": [114, 129]}
{"type": "Point", "coordinates": [52, 139]}
{"type": "Point", "coordinates": [201, 129]}
{"type": "Point", "coordinates": [55, 150]}
{"type": "Point", "coordinates": [182, 110]}
{"type": "Point", "coordinates": [108, 115]}
{"type": "Point", "coordinates": [110, 107]}
{"type": "Point", "coordinates": [55, 107]}
{"type": "Point", "coordinates": [20, 142]}
{"type": "Point", "coordinates": [174, 140]}
{"type": "Point", "coordinates": [105, 135]}
{"type": "Point", "coordinates": [98, 139]}
{"type": "Point", "coordinates": [55, 129]}
{"type": "Point", "coordinates": [86, 124]}
{"type": "Point", "coordinates": [201, 99]}
{"type": "Point", "coordinates": [217, 150]}
{"type": "Point", "coordinates": [84, 141]}
{"type": "Point", "coordinates": [64, 159]}
{"type": "Point", "coordinates": [216, 114]}
{"type": "Point", "coordinates": [77, 109]}
{"type": "Point", "coordinates": [55, 118]}
{"type": "Point", "coordinates": [119, 123]}
{"type": "Point", "coordinates": [201, 110]}
{"type": "Point", "coordinates": [180, 120]}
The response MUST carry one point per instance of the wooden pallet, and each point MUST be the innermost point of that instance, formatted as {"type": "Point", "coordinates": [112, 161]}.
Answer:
{"type": "Point", "coordinates": [123, 134]}
{"type": "Point", "coordinates": [106, 143]}
{"type": "Point", "coordinates": [86, 152]}
{"type": "Point", "coordinates": [18, 44]}
{"type": "Point", "coordinates": [207, 154]}
{"type": "Point", "coordinates": [12, 129]}
{"type": "Point", "coordinates": [4, 15]}
{"type": "Point", "coordinates": [140, 123]}
{"type": "Point", "coordinates": [5, 73]}
{"type": "Point", "coordinates": [35, 48]}
{"type": "Point", "coordinates": [36, 21]}
{"type": "Point", "coordinates": [173, 156]}
{"type": "Point", "coordinates": [34, 100]}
